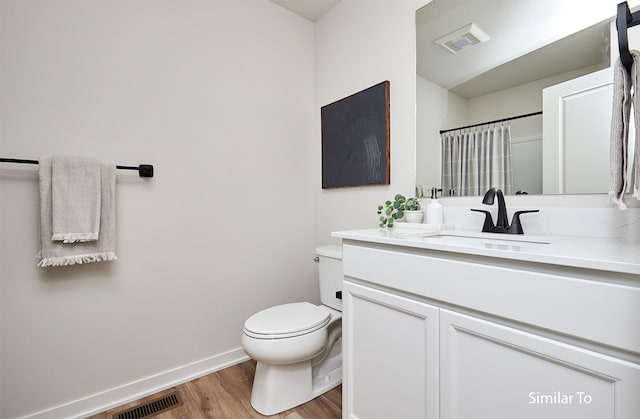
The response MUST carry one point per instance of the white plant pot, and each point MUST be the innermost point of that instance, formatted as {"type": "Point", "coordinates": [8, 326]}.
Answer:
{"type": "Point", "coordinates": [414, 216]}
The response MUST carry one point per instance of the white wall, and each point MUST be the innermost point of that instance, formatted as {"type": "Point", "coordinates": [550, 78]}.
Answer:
{"type": "Point", "coordinates": [360, 43]}
{"type": "Point", "coordinates": [436, 108]}
{"type": "Point", "coordinates": [218, 95]}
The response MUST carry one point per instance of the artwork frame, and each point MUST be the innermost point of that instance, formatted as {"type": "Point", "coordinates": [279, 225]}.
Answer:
{"type": "Point", "coordinates": [356, 137]}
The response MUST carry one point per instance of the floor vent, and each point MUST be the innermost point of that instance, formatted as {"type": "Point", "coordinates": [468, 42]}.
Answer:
{"type": "Point", "coordinates": [151, 408]}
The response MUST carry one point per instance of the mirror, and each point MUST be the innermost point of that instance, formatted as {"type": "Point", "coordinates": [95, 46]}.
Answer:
{"type": "Point", "coordinates": [505, 77]}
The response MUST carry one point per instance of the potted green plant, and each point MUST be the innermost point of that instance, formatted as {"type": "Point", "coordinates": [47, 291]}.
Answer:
{"type": "Point", "coordinates": [392, 210]}
{"type": "Point", "coordinates": [413, 211]}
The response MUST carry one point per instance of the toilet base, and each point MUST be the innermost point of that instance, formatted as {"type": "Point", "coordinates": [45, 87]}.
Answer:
{"type": "Point", "coordinates": [277, 388]}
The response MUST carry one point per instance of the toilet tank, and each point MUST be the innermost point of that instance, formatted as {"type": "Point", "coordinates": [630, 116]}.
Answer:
{"type": "Point", "coordinates": [330, 275]}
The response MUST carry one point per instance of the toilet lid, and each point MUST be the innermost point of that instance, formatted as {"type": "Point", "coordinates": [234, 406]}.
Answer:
{"type": "Point", "coordinates": [287, 320]}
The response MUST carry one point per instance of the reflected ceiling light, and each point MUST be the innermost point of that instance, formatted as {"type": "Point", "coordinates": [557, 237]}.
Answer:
{"type": "Point", "coordinates": [463, 38]}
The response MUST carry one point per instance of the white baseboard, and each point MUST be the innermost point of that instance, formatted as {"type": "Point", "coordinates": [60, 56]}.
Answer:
{"type": "Point", "coordinates": [126, 393]}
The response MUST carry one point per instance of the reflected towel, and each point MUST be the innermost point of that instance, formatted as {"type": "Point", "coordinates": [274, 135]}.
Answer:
{"type": "Point", "coordinates": [57, 253]}
{"type": "Point", "coordinates": [75, 199]}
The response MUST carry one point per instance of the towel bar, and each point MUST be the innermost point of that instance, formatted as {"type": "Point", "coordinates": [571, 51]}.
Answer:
{"type": "Point", "coordinates": [144, 170]}
{"type": "Point", "coordinates": [625, 20]}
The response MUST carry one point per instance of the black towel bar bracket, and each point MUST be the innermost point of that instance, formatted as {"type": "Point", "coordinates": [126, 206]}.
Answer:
{"type": "Point", "coordinates": [624, 20]}
{"type": "Point", "coordinates": [144, 170]}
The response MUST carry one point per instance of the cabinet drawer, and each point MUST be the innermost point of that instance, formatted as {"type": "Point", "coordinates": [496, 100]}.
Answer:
{"type": "Point", "coordinates": [597, 311]}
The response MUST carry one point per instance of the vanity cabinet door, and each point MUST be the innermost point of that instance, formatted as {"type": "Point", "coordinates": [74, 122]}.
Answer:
{"type": "Point", "coordinates": [390, 355]}
{"type": "Point", "coordinates": [493, 371]}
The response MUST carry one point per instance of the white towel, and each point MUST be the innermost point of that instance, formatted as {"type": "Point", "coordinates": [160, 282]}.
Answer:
{"type": "Point", "coordinates": [619, 158]}
{"type": "Point", "coordinates": [57, 253]}
{"type": "Point", "coordinates": [75, 199]}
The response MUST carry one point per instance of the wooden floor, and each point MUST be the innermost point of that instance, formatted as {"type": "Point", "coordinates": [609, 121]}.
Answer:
{"type": "Point", "coordinates": [227, 394]}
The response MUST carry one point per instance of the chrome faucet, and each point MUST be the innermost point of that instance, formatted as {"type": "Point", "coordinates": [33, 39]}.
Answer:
{"type": "Point", "coordinates": [502, 222]}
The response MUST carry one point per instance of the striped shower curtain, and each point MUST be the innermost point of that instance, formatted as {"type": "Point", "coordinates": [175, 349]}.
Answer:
{"type": "Point", "coordinates": [477, 159]}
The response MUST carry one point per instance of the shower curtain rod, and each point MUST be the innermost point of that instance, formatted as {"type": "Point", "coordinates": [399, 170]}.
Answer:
{"type": "Point", "coordinates": [144, 170]}
{"type": "Point", "coordinates": [492, 122]}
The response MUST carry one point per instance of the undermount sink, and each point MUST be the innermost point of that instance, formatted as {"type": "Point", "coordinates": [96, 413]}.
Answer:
{"type": "Point", "coordinates": [460, 235]}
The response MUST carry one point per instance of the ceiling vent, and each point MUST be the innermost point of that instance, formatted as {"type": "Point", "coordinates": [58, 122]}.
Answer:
{"type": "Point", "coordinates": [463, 38]}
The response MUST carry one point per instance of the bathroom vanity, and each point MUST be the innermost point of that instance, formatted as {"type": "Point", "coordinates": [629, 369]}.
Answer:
{"type": "Point", "coordinates": [473, 325]}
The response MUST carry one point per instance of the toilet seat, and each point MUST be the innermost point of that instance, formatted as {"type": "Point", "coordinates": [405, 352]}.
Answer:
{"type": "Point", "coordinates": [286, 321]}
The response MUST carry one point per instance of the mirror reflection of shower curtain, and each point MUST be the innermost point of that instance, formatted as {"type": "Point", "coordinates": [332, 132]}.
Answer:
{"type": "Point", "coordinates": [475, 160]}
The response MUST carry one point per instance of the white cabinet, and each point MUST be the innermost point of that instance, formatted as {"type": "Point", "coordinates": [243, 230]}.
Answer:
{"type": "Point", "coordinates": [390, 355]}
{"type": "Point", "coordinates": [492, 371]}
{"type": "Point", "coordinates": [447, 337]}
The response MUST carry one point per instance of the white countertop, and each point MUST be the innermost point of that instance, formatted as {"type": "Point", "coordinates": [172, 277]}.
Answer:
{"type": "Point", "coordinates": [582, 252]}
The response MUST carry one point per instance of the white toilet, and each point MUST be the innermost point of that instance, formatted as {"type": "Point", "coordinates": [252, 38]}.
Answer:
{"type": "Point", "coordinates": [297, 346]}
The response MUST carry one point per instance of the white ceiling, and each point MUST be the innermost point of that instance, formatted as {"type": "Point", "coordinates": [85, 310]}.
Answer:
{"type": "Point", "coordinates": [516, 28]}
{"type": "Point", "coordinates": [309, 9]}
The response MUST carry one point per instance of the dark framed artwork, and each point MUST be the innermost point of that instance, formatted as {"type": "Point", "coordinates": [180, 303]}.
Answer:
{"type": "Point", "coordinates": [356, 139]}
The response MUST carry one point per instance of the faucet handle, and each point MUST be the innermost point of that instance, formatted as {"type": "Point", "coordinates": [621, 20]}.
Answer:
{"type": "Point", "coordinates": [488, 225]}
{"type": "Point", "coordinates": [516, 226]}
